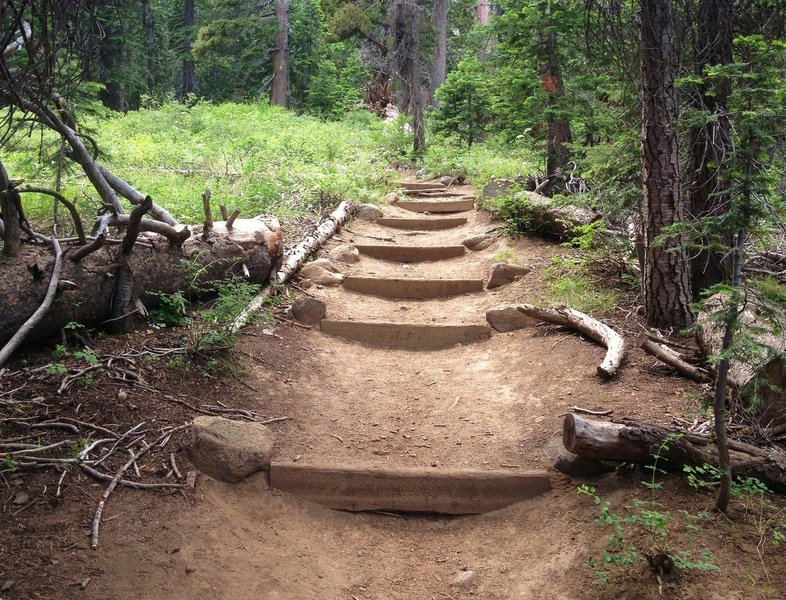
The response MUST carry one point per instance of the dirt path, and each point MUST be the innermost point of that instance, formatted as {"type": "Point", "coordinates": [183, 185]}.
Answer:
{"type": "Point", "coordinates": [493, 405]}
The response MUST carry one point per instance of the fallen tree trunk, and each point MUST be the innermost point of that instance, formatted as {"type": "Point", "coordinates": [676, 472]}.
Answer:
{"type": "Point", "coordinates": [633, 442]}
{"type": "Point", "coordinates": [601, 333]}
{"type": "Point", "coordinates": [87, 287]}
{"type": "Point", "coordinates": [672, 358]}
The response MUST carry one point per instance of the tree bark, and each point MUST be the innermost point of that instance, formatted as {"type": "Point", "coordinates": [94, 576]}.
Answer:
{"type": "Point", "coordinates": [482, 12]}
{"type": "Point", "coordinates": [666, 281]}
{"type": "Point", "coordinates": [148, 27]}
{"type": "Point", "coordinates": [709, 193]}
{"type": "Point", "coordinates": [188, 70]}
{"type": "Point", "coordinates": [632, 442]}
{"type": "Point", "coordinates": [108, 53]}
{"type": "Point", "coordinates": [439, 23]}
{"type": "Point", "coordinates": [558, 134]}
{"type": "Point", "coordinates": [279, 90]}
{"type": "Point", "coordinates": [9, 203]}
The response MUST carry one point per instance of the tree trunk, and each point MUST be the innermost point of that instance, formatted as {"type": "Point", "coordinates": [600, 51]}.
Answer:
{"type": "Point", "coordinates": [482, 12]}
{"type": "Point", "coordinates": [709, 193]}
{"type": "Point", "coordinates": [632, 442]}
{"type": "Point", "coordinates": [666, 282]}
{"type": "Point", "coordinates": [88, 286]}
{"type": "Point", "coordinates": [407, 67]}
{"type": "Point", "coordinates": [279, 90]}
{"type": "Point", "coordinates": [439, 23]}
{"type": "Point", "coordinates": [147, 26]}
{"type": "Point", "coordinates": [558, 134]}
{"type": "Point", "coordinates": [108, 53]}
{"type": "Point", "coordinates": [188, 70]}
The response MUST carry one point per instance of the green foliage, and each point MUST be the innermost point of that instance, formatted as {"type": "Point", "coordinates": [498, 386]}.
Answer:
{"type": "Point", "coordinates": [464, 103]}
{"type": "Point", "coordinates": [170, 312]}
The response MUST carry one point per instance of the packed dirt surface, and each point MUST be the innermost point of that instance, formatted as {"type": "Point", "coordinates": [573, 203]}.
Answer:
{"type": "Point", "coordinates": [496, 404]}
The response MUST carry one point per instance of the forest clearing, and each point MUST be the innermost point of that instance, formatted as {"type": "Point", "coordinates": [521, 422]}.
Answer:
{"type": "Point", "coordinates": [372, 300]}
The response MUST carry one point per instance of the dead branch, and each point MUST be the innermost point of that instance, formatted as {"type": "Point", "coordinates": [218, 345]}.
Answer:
{"type": "Point", "coordinates": [601, 333]}
{"type": "Point", "coordinates": [22, 332]}
{"type": "Point", "coordinates": [77, 220]}
{"type": "Point", "coordinates": [174, 236]}
{"type": "Point", "coordinates": [672, 358]}
{"type": "Point", "coordinates": [134, 196]}
{"type": "Point", "coordinates": [134, 223]}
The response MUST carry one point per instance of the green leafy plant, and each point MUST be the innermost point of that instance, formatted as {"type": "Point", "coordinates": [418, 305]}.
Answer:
{"type": "Point", "coordinates": [171, 311]}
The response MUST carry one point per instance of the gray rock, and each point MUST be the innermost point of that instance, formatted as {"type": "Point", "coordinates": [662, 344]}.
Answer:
{"type": "Point", "coordinates": [463, 579]}
{"type": "Point", "coordinates": [479, 242]}
{"type": "Point", "coordinates": [501, 187]}
{"type": "Point", "coordinates": [229, 450]}
{"type": "Point", "coordinates": [391, 198]}
{"type": "Point", "coordinates": [322, 271]}
{"type": "Point", "coordinates": [309, 311]}
{"type": "Point", "coordinates": [502, 273]}
{"type": "Point", "coordinates": [506, 318]}
{"type": "Point", "coordinates": [368, 212]}
{"type": "Point", "coordinates": [447, 180]}
{"type": "Point", "coordinates": [345, 253]}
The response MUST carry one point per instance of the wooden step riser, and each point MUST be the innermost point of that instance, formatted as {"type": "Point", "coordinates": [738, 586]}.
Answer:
{"type": "Point", "coordinates": [437, 206]}
{"type": "Point", "coordinates": [453, 492]}
{"type": "Point", "coordinates": [435, 194]}
{"type": "Point", "coordinates": [424, 224]}
{"type": "Point", "coordinates": [408, 254]}
{"type": "Point", "coordinates": [416, 289]}
{"type": "Point", "coordinates": [421, 185]}
{"type": "Point", "coordinates": [405, 336]}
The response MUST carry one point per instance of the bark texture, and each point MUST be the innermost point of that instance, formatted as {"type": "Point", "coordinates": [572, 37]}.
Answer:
{"type": "Point", "coordinates": [439, 23]}
{"type": "Point", "coordinates": [188, 70]}
{"type": "Point", "coordinates": [558, 134]}
{"type": "Point", "coordinates": [666, 268]}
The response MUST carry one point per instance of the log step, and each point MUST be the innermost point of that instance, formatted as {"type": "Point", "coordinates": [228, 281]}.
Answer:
{"type": "Point", "coordinates": [405, 336]}
{"type": "Point", "coordinates": [412, 288]}
{"type": "Point", "coordinates": [424, 224]}
{"type": "Point", "coordinates": [420, 185]}
{"type": "Point", "coordinates": [435, 193]}
{"type": "Point", "coordinates": [451, 492]}
{"type": "Point", "coordinates": [409, 254]}
{"type": "Point", "coordinates": [437, 206]}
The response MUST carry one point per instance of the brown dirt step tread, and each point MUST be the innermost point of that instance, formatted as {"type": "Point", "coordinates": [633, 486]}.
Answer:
{"type": "Point", "coordinates": [424, 223]}
{"type": "Point", "coordinates": [437, 206]}
{"type": "Point", "coordinates": [425, 490]}
{"type": "Point", "coordinates": [409, 254]}
{"type": "Point", "coordinates": [412, 288]}
{"type": "Point", "coordinates": [405, 336]}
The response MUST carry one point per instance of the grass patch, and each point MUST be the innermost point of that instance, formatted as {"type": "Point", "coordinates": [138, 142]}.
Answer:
{"type": "Point", "coordinates": [567, 284]}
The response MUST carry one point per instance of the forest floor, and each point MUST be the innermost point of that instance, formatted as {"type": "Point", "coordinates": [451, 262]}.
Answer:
{"type": "Point", "coordinates": [493, 404]}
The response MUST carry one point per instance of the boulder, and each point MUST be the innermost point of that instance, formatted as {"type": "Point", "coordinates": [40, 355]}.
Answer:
{"type": "Point", "coordinates": [502, 187]}
{"type": "Point", "coordinates": [504, 318]}
{"type": "Point", "coordinates": [322, 271]}
{"type": "Point", "coordinates": [229, 450]}
{"type": "Point", "coordinates": [546, 217]}
{"type": "Point", "coordinates": [368, 212]}
{"type": "Point", "coordinates": [463, 579]}
{"type": "Point", "coordinates": [309, 311]}
{"type": "Point", "coordinates": [479, 242]}
{"type": "Point", "coordinates": [503, 273]}
{"type": "Point", "coordinates": [345, 253]}
{"type": "Point", "coordinates": [391, 198]}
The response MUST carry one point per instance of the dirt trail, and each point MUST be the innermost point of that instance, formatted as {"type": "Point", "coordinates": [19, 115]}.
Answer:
{"type": "Point", "coordinates": [493, 404]}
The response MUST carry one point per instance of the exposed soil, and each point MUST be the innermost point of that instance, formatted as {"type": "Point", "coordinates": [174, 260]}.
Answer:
{"type": "Point", "coordinates": [495, 404]}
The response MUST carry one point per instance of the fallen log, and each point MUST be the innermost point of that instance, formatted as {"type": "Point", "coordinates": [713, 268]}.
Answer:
{"type": "Point", "coordinates": [759, 379]}
{"type": "Point", "coordinates": [633, 442]}
{"type": "Point", "coordinates": [672, 358]}
{"type": "Point", "coordinates": [87, 287]}
{"type": "Point", "coordinates": [601, 333]}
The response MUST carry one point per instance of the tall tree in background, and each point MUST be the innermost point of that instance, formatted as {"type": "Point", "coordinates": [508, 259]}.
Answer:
{"type": "Point", "coordinates": [439, 23]}
{"type": "Point", "coordinates": [109, 56]}
{"type": "Point", "coordinates": [148, 27]}
{"type": "Point", "coordinates": [666, 268]}
{"type": "Point", "coordinates": [406, 65]}
{"type": "Point", "coordinates": [188, 70]}
{"type": "Point", "coordinates": [279, 91]}
{"type": "Point", "coordinates": [709, 193]}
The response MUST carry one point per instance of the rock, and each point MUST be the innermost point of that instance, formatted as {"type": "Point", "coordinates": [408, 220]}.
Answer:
{"type": "Point", "coordinates": [463, 579]}
{"type": "Point", "coordinates": [322, 271]}
{"type": "Point", "coordinates": [309, 311]}
{"type": "Point", "coordinates": [502, 187]}
{"type": "Point", "coordinates": [506, 318]}
{"type": "Point", "coordinates": [229, 450]}
{"type": "Point", "coordinates": [8, 584]}
{"type": "Point", "coordinates": [420, 173]}
{"type": "Point", "coordinates": [368, 212]}
{"type": "Point", "coordinates": [345, 253]}
{"type": "Point", "coordinates": [21, 498]}
{"type": "Point", "coordinates": [391, 198]}
{"type": "Point", "coordinates": [502, 273]}
{"type": "Point", "coordinates": [547, 217]}
{"type": "Point", "coordinates": [479, 242]}
{"type": "Point", "coordinates": [447, 180]}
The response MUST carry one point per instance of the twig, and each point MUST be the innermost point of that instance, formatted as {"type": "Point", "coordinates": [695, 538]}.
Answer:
{"type": "Point", "coordinates": [338, 437]}
{"type": "Point", "coordinates": [175, 470]}
{"type": "Point", "coordinates": [273, 420]}
{"type": "Point", "coordinates": [94, 530]}
{"type": "Point", "coordinates": [587, 411]}
{"type": "Point", "coordinates": [130, 484]}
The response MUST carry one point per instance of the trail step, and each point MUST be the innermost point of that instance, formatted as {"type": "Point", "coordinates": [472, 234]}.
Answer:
{"type": "Point", "coordinates": [420, 185]}
{"type": "Point", "coordinates": [452, 492]}
{"type": "Point", "coordinates": [405, 336]}
{"type": "Point", "coordinates": [412, 288]}
{"type": "Point", "coordinates": [437, 206]}
{"type": "Point", "coordinates": [409, 254]}
{"type": "Point", "coordinates": [435, 193]}
{"type": "Point", "coordinates": [423, 223]}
